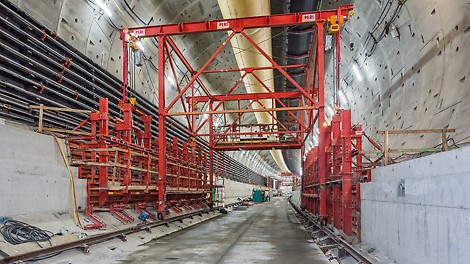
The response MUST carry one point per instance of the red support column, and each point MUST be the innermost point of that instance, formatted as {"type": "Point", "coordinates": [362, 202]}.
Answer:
{"type": "Point", "coordinates": [328, 161]}
{"type": "Point", "coordinates": [347, 171]}
{"type": "Point", "coordinates": [124, 64]}
{"type": "Point", "coordinates": [303, 176]}
{"type": "Point", "coordinates": [337, 206]}
{"type": "Point", "coordinates": [103, 156]}
{"type": "Point", "coordinates": [125, 129]}
{"type": "Point", "coordinates": [161, 128]}
{"type": "Point", "coordinates": [336, 134]}
{"type": "Point", "coordinates": [211, 153]}
{"type": "Point", "coordinates": [321, 119]}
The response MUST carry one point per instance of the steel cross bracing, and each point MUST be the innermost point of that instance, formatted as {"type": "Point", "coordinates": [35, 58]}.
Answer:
{"type": "Point", "coordinates": [236, 135]}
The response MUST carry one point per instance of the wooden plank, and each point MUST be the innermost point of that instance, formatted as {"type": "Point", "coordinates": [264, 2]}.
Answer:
{"type": "Point", "coordinates": [445, 147]}
{"type": "Point", "coordinates": [65, 131]}
{"type": "Point", "coordinates": [41, 115]}
{"type": "Point", "coordinates": [110, 164]}
{"type": "Point", "coordinates": [114, 149]}
{"type": "Point", "coordinates": [60, 109]}
{"type": "Point", "coordinates": [417, 131]}
{"type": "Point", "coordinates": [378, 152]}
{"type": "Point", "coordinates": [90, 163]}
{"type": "Point", "coordinates": [130, 188]}
{"type": "Point", "coordinates": [415, 150]}
{"type": "Point", "coordinates": [386, 148]}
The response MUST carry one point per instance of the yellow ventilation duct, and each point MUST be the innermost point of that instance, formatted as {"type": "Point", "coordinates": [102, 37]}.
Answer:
{"type": "Point", "coordinates": [247, 56]}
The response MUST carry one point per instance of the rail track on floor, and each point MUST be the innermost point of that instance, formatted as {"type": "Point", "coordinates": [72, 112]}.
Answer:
{"type": "Point", "coordinates": [361, 257]}
{"type": "Point", "coordinates": [85, 243]}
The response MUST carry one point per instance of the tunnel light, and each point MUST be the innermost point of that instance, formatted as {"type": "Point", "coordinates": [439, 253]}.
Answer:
{"type": "Point", "coordinates": [170, 80]}
{"type": "Point", "coordinates": [315, 140]}
{"type": "Point", "coordinates": [330, 111]}
{"type": "Point", "coordinates": [342, 98]}
{"type": "Point", "coordinates": [141, 46]}
{"type": "Point", "coordinates": [357, 72]}
{"type": "Point", "coordinates": [104, 8]}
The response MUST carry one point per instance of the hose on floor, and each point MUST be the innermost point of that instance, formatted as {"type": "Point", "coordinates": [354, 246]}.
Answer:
{"type": "Point", "coordinates": [17, 232]}
{"type": "Point", "coordinates": [76, 218]}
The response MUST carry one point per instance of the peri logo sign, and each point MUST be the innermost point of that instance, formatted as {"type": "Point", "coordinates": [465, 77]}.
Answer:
{"type": "Point", "coordinates": [139, 32]}
{"type": "Point", "coordinates": [223, 24]}
{"type": "Point", "coordinates": [308, 18]}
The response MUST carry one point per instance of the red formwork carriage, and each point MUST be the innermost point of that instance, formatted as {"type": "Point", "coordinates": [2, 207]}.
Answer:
{"type": "Point", "coordinates": [234, 134]}
{"type": "Point", "coordinates": [159, 173]}
{"type": "Point", "coordinates": [345, 170]}
{"type": "Point", "coordinates": [120, 162]}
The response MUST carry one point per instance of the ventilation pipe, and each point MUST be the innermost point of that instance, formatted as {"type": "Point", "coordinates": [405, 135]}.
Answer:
{"type": "Point", "coordinates": [247, 56]}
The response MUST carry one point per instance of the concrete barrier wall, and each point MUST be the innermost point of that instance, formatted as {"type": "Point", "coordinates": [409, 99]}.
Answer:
{"type": "Point", "coordinates": [296, 197]}
{"type": "Point", "coordinates": [234, 190]}
{"type": "Point", "coordinates": [33, 177]}
{"type": "Point", "coordinates": [430, 223]}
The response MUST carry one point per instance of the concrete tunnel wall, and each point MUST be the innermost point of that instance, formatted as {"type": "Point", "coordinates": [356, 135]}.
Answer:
{"type": "Point", "coordinates": [34, 179]}
{"type": "Point", "coordinates": [33, 176]}
{"type": "Point", "coordinates": [430, 222]}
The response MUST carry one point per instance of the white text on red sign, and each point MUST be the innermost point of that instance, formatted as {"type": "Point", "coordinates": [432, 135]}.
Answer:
{"type": "Point", "coordinates": [139, 32]}
{"type": "Point", "coordinates": [308, 18]}
{"type": "Point", "coordinates": [223, 24]}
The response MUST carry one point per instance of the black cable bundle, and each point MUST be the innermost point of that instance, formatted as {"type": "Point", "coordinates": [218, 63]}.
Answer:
{"type": "Point", "coordinates": [17, 232]}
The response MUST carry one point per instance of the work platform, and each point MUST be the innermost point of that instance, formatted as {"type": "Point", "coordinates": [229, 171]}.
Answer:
{"type": "Point", "coordinates": [264, 233]}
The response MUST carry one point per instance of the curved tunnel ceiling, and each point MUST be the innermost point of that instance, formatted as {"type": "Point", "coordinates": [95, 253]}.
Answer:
{"type": "Point", "coordinates": [416, 80]}
{"type": "Point", "coordinates": [419, 79]}
{"type": "Point", "coordinates": [247, 56]}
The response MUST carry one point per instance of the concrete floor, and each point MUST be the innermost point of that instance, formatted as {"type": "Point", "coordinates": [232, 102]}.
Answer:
{"type": "Point", "coordinates": [264, 233]}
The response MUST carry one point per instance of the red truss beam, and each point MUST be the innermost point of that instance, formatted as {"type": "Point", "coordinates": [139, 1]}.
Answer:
{"type": "Point", "coordinates": [248, 96]}
{"type": "Point", "coordinates": [293, 108]}
{"type": "Point", "coordinates": [264, 146]}
{"type": "Point", "coordinates": [238, 24]}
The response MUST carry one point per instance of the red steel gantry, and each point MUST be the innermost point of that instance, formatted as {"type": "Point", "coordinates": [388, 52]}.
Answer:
{"type": "Point", "coordinates": [235, 135]}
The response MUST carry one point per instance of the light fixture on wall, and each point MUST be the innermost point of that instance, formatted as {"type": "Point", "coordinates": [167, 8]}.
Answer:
{"type": "Point", "coordinates": [357, 72]}
{"type": "Point", "coordinates": [342, 98]}
{"type": "Point", "coordinates": [330, 111]}
{"type": "Point", "coordinates": [394, 31]}
{"type": "Point", "coordinates": [105, 9]}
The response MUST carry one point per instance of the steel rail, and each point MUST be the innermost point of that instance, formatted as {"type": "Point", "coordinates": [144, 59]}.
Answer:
{"type": "Point", "coordinates": [350, 249]}
{"type": "Point", "coordinates": [96, 239]}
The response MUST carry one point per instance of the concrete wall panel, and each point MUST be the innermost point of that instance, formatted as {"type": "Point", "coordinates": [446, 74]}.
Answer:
{"type": "Point", "coordinates": [430, 223]}
{"type": "Point", "coordinates": [33, 176]}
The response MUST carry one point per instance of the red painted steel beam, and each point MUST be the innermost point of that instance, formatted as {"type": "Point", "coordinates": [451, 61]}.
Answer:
{"type": "Point", "coordinates": [232, 134]}
{"type": "Point", "coordinates": [238, 24]}
{"type": "Point", "coordinates": [346, 171]}
{"type": "Point", "coordinates": [248, 96]}
{"type": "Point", "coordinates": [321, 118]}
{"type": "Point", "coordinates": [242, 111]}
{"type": "Point", "coordinates": [237, 147]}
{"type": "Point", "coordinates": [251, 69]}
{"type": "Point", "coordinates": [161, 128]}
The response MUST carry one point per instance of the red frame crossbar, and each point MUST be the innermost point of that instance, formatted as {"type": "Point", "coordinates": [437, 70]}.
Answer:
{"type": "Point", "coordinates": [310, 93]}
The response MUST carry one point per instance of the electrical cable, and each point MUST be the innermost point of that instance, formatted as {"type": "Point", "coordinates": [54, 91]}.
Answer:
{"type": "Point", "coordinates": [72, 183]}
{"type": "Point", "coordinates": [384, 32]}
{"type": "Point", "coordinates": [16, 232]}
{"type": "Point", "coordinates": [132, 11]}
